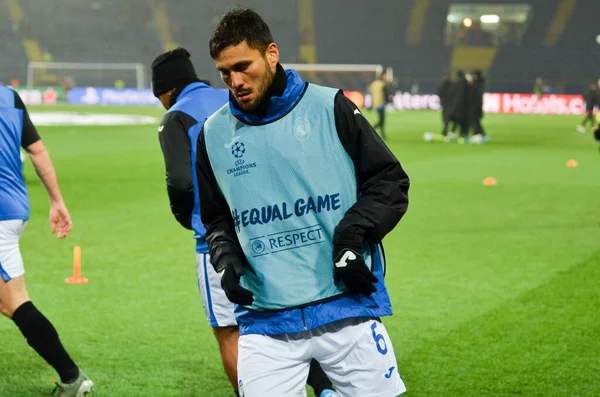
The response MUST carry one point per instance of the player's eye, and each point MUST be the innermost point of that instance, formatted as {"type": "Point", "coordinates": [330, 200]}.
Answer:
{"type": "Point", "coordinates": [241, 67]}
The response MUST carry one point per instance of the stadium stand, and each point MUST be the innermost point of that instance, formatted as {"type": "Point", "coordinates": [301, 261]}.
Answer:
{"type": "Point", "coordinates": [102, 31]}
{"type": "Point", "coordinates": [558, 44]}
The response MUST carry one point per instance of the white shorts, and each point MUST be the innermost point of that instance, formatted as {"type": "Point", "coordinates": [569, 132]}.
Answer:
{"type": "Point", "coordinates": [11, 262]}
{"type": "Point", "coordinates": [218, 309]}
{"type": "Point", "coordinates": [356, 354]}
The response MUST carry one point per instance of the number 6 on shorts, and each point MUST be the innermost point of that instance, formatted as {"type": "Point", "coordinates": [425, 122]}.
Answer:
{"type": "Point", "coordinates": [379, 340]}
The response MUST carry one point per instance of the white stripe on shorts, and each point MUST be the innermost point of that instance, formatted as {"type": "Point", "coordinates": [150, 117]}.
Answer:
{"type": "Point", "coordinates": [218, 309]}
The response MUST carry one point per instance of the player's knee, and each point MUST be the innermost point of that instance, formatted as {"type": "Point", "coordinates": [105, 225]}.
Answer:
{"type": "Point", "coordinates": [11, 298]}
{"type": "Point", "coordinates": [6, 310]}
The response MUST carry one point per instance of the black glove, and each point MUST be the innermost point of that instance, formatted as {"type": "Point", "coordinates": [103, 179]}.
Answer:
{"type": "Point", "coordinates": [351, 269]}
{"type": "Point", "coordinates": [230, 268]}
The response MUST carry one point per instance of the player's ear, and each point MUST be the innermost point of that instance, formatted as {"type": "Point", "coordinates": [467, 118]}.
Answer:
{"type": "Point", "coordinates": [272, 55]}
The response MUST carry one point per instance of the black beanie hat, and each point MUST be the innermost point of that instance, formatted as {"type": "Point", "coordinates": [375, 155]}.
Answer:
{"type": "Point", "coordinates": [170, 70]}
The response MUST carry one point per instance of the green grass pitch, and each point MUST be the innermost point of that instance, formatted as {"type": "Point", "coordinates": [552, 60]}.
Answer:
{"type": "Point", "coordinates": [496, 290]}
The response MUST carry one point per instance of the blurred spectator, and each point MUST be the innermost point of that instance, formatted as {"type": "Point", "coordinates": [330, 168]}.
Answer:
{"type": "Point", "coordinates": [476, 104]}
{"type": "Point", "coordinates": [414, 87]}
{"type": "Point", "coordinates": [538, 87]}
{"type": "Point", "coordinates": [67, 83]}
{"type": "Point", "coordinates": [592, 99]}
{"type": "Point", "coordinates": [47, 56]}
{"type": "Point", "coordinates": [444, 93]}
{"type": "Point", "coordinates": [459, 105]}
{"type": "Point", "coordinates": [379, 98]}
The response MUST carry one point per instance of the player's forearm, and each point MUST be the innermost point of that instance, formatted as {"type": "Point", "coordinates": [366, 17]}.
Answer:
{"type": "Point", "coordinates": [222, 241]}
{"type": "Point", "coordinates": [182, 205]}
{"type": "Point", "coordinates": [43, 166]}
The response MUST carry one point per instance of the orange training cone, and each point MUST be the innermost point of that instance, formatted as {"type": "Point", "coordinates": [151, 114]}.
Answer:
{"type": "Point", "coordinates": [76, 279]}
{"type": "Point", "coordinates": [572, 163]}
{"type": "Point", "coordinates": [490, 181]}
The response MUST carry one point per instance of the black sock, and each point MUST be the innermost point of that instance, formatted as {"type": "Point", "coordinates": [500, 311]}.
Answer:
{"type": "Point", "coordinates": [237, 393]}
{"type": "Point", "coordinates": [43, 338]}
{"type": "Point", "coordinates": [317, 379]}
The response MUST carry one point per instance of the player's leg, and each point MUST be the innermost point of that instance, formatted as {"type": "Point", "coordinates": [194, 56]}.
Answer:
{"type": "Point", "coordinates": [358, 356]}
{"type": "Point", "coordinates": [273, 365]}
{"type": "Point", "coordinates": [318, 380]}
{"type": "Point", "coordinates": [378, 124]}
{"type": "Point", "coordinates": [476, 126]}
{"type": "Point", "coordinates": [382, 121]}
{"type": "Point", "coordinates": [464, 130]}
{"type": "Point", "coordinates": [445, 121]}
{"type": "Point", "coordinates": [35, 327]}
{"type": "Point", "coordinates": [227, 337]}
{"type": "Point", "coordinates": [454, 125]}
{"type": "Point", "coordinates": [589, 116]}
{"type": "Point", "coordinates": [483, 133]}
{"type": "Point", "coordinates": [219, 313]}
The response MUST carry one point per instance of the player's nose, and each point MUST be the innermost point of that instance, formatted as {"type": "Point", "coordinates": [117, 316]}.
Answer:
{"type": "Point", "coordinates": [236, 80]}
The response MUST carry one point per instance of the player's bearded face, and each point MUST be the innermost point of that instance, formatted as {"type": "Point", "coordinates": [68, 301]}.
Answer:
{"type": "Point", "coordinates": [247, 72]}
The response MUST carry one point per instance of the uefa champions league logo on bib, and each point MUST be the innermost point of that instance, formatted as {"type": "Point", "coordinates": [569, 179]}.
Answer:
{"type": "Point", "coordinates": [241, 166]}
{"type": "Point", "coordinates": [238, 149]}
{"type": "Point", "coordinates": [301, 129]}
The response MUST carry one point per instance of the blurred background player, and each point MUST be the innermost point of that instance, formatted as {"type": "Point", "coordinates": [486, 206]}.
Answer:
{"type": "Point", "coordinates": [592, 99]}
{"type": "Point", "coordinates": [596, 128]}
{"type": "Point", "coordinates": [189, 101]}
{"type": "Point", "coordinates": [538, 88]}
{"type": "Point", "coordinates": [475, 104]}
{"type": "Point", "coordinates": [379, 95]}
{"type": "Point", "coordinates": [16, 131]}
{"type": "Point", "coordinates": [444, 92]}
{"type": "Point", "coordinates": [459, 105]}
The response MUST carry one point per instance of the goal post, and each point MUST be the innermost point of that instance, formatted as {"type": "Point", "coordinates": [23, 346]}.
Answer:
{"type": "Point", "coordinates": [84, 74]}
{"type": "Point", "coordinates": [348, 77]}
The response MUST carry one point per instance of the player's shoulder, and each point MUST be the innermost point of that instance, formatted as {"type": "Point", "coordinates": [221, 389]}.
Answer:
{"type": "Point", "coordinates": [321, 92]}
{"type": "Point", "coordinates": [8, 97]}
{"type": "Point", "coordinates": [176, 120]}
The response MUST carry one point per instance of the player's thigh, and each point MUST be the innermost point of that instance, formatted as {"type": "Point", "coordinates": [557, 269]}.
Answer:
{"type": "Point", "coordinates": [218, 309]}
{"type": "Point", "coordinates": [358, 357]}
{"type": "Point", "coordinates": [273, 366]}
{"type": "Point", "coordinates": [12, 282]}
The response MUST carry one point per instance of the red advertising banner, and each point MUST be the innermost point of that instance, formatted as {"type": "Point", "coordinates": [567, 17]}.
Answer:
{"type": "Point", "coordinates": [492, 102]}
{"type": "Point", "coordinates": [531, 104]}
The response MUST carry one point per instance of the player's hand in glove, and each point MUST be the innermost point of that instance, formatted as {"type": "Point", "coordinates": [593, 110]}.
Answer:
{"type": "Point", "coordinates": [351, 269]}
{"type": "Point", "coordinates": [230, 268]}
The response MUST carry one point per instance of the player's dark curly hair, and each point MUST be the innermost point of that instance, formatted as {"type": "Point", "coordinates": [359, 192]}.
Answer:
{"type": "Point", "coordinates": [237, 26]}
